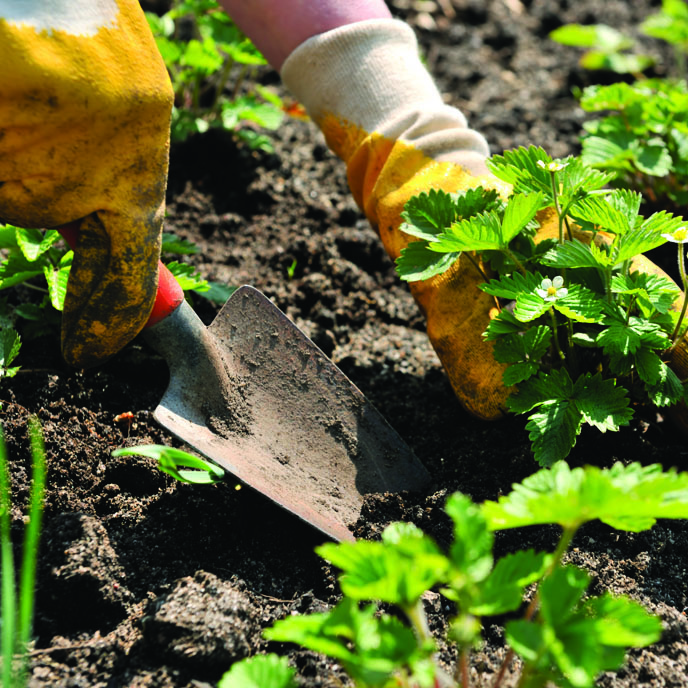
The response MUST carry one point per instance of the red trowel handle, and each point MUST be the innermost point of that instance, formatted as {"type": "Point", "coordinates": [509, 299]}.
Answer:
{"type": "Point", "coordinates": [170, 295]}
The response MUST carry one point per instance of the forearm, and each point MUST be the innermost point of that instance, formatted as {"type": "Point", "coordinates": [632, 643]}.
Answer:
{"type": "Point", "coordinates": [277, 27]}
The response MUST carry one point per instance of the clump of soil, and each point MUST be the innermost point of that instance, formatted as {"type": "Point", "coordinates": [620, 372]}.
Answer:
{"type": "Point", "coordinates": [147, 582]}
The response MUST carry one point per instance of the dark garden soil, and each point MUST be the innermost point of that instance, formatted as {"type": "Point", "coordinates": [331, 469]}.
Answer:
{"type": "Point", "coordinates": [147, 582]}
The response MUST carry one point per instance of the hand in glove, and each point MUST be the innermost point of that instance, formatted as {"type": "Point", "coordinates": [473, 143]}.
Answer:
{"type": "Point", "coordinates": [85, 105]}
{"type": "Point", "coordinates": [365, 87]}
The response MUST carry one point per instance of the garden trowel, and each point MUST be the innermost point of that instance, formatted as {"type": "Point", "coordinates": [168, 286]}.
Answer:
{"type": "Point", "coordinates": [253, 394]}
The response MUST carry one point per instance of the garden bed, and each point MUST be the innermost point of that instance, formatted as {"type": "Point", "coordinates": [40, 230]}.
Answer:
{"type": "Point", "coordinates": [147, 582]}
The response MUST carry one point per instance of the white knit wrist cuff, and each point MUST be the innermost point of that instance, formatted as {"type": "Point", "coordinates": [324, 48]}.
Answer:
{"type": "Point", "coordinates": [369, 74]}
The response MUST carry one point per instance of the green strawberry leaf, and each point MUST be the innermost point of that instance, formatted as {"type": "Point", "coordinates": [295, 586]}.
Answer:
{"type": "Point", "coordinates": [511, 286]}
{"type": "Point", "coordinates": [627, 497]}
{"type": "Point", "coordinates": [562, 407]}
{"type": "Point", "coordinates": [519, 211]}
{"type": "Point", "coordinates": [33, 243]}
{"type": "Point", "coordinates": [471, 551]}
{"type": "Point", "coordinates": [478, 233]}
{"type": "Point", "coordinates": [397, 570]}
{"type": "Point", "coordinates": [601, 213]}
{"type": "Point", "coordinates": [260, 671]}
{"type": "Point", "coordinates": [576, 254]}
{"type": "Point", "coordinates": [502, 590]}
{"type": "Point", "coordinates": [580, 304]}
{"type": "Point", "coordinates": [530, 307]}
{"type": "Point", "coordinates": [428, 214]}
{"type": "Point", "coordinates": [503, 324]}
{"type": "Point", "coordinates": [416, 262]}
{"type": "Point", "coordinates": [57, 278]}
{"type": "Point", "coordinates": [667, 389]}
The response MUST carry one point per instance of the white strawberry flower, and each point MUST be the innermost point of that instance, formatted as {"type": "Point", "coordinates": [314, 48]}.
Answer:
{"type": "Point", "coordinates": [553, 166]}
{"type": "Point", "coordinates": [552, 289]}
{"type": "Point", "coordinates": [678, 236]}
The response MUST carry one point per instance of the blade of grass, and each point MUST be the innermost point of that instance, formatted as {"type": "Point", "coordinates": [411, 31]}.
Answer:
{"type": "Point", "coordinates": [32, 535]}
{"type": "Point", "coordinates": [8, 592]}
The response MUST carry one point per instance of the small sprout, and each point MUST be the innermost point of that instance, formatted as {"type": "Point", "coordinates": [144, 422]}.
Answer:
{"type": "Point", "coordinates": [551, 290]}
{"type": "Point", "coordinates": [553, 166]}
{"type": "Point", "coordinates": [175, 462]}
{"type": "Point", "coordinates": [678, 236]}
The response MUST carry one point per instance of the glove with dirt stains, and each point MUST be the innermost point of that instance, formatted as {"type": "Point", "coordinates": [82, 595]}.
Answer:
{"type": "Point", "coordinates": [367, 90]}
{"type": "Point", "coordinates": [85, 103]}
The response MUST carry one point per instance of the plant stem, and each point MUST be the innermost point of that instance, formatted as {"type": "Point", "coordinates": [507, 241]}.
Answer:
{"type": "Point", "coordinates": [571, 352]}
{"type": "Point", "coordinates": [555, 339]}
{"type": "Point", "coordinates": [682, 271]}
{"type": "Point", "coordinates": [220, 86]}
{"type": "Point", "coordinates": [562, 546]}
{"type": "Point", "coordinates": [28, 285]}
{"type": "Point", "coordinates": [239, 81]}
{"type": "Point", "coordinates": [564, 542]}
{"type": "Point", "coordinates": [465, 678]}
{"type": "Point", "coordinates": [557, 207]}
{"type": "Point", "coordinates": [517, 262]}
{"type": "Point", "coordinates": [630, 308]}
{"type": "Point", "coordinates": [477, 266]}
{"type": "Point", "coordinates": [419, 621]}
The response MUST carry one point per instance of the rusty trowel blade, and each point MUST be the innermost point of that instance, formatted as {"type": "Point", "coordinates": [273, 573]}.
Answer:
{"type": "Point", "coordinates": [255, 395]}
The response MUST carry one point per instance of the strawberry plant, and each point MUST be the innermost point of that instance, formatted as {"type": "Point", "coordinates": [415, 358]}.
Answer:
{"type": "Point", "coordinates": [564, 636]}
{"type": "Point", "coordinates": [39, 261]}
{"type": "Point", "coordinates": [605, 48]}
{"type": "Point", "coordinates": [29, 254]}
{"type": "Point", "coordinates": [642, 137]}
{"type": "Point", "coordinates": [203, 49]}
{"type": "Point", "coordinates": [582, 333]}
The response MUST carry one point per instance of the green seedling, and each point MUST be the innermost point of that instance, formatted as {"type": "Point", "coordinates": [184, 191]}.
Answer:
{"type": "Point", "coordinates": [175, 462]}
{"type": "Point", "coordinates": [189, 277]}
{"type": "Point", "coordinates": [10, 344]}
{"type": "Point", "coordinates": [41, 262]}
{"type": "Point", "coordinates": [203, 49]}
{"type": "Point", "coordinates": [643, 137]}
{"type": "Point", "coordinates": [605, 48]}
{"type": "Point", "coordinates": [190, 280]}
{"type": "Point", "coordinates": [28, 254]}
{"type": "Point", "coordinates": [18, 602]}
{"type": "Point", "coordinates": [670, 24]}
{"type": "Point", "coordinates": [564, 636]}
{"type": "Point", "coordinates": [581, 333]}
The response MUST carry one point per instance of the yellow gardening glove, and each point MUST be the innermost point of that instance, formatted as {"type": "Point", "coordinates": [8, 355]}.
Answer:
{"type": "Point", "coordinates": [379, 110]}
{"type": "Point", "coordinates": [85, 105]}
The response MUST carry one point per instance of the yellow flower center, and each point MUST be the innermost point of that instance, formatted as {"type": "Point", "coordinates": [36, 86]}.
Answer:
{"type": "Point", "coordinates": [551, 291]}
{"type": "Point", "coordinates": [681, 234]}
